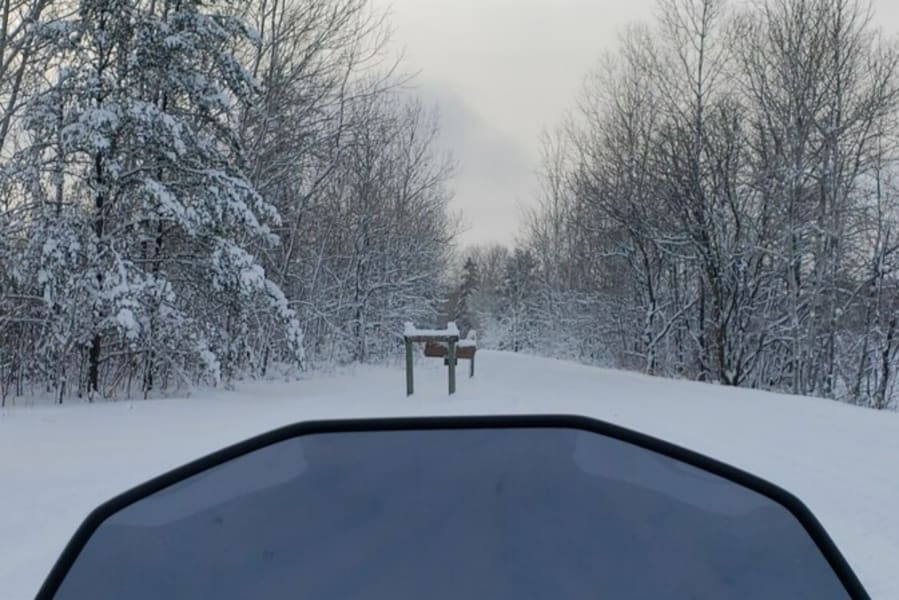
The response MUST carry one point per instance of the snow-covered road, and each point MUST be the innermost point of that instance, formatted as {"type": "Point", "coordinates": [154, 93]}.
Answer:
{"type": "Point", "coordinates": [57, 463]}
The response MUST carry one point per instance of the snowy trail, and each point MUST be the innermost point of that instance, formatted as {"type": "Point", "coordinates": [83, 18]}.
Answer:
{"type": "Point", "coordinates": [57, 463]}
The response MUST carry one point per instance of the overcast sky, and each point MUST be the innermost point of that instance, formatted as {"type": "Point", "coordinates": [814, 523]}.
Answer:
{"type": "Point", "coordinates": [502, 72]}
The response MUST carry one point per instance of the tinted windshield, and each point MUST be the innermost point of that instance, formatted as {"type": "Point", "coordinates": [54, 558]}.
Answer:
{"type": "Point", "coordinates": [513, 513]}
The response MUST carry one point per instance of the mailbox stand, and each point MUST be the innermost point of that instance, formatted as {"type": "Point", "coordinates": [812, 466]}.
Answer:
{"type": "Point", "coordinates": [448, 336]}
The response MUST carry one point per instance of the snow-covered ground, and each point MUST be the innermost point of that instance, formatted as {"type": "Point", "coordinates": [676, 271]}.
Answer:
{"type": "Point", "coordinates": [57, 463]}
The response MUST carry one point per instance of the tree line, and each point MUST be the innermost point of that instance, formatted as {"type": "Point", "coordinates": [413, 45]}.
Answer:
{"type": "Point", "coordinates": [196, 191]}
{"type": "Point", "coordinates": [720, 205]}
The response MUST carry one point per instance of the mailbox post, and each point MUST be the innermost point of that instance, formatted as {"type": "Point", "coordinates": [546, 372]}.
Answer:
{"type": "Point", "coordinates": [448, 336]}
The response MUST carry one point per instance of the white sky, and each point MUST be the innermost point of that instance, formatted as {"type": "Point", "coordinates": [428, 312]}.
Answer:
{"type": "Point", "coordinates": [502, 72]}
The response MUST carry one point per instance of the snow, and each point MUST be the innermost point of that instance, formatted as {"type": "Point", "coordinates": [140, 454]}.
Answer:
{"type": "Point", "coordinates": [411, 330]}
{"type": "Point", "coordinates": [92, 128]}
{"type": "Point", "coordinates": [128, 322]}
{"type": "Point", "coordinates": [57, 463]}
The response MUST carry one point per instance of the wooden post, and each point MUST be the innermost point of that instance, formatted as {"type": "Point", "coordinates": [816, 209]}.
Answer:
{"type": "Point", "coordinates": [410, 383]}
{"type": "Point", "coordinates": [452, 366]}
{"type": "Point", "coordinates": [471, 367]}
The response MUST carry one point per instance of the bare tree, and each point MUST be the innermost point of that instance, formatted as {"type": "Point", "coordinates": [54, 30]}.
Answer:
{"type": "Point", "coordinates": [725, 184]}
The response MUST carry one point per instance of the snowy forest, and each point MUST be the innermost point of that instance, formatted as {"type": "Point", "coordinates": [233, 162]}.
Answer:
{"type": "Point", "coordinates": [720, 204]}
{"type": "Point", "coordinates": [200, 191]}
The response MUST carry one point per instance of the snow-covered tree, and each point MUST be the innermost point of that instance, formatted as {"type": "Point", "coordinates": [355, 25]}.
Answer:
{"type": "Point", "coordinates": [207, 189]}
{"type": "Point", "coordinates": [143, 214]}
{"type": "Point", "coordinates": [464, 311]}
{"type": "Point", "coordinates": [720, 205]}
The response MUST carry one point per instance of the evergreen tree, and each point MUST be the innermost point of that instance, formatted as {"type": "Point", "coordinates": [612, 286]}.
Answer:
{"type": "Point", "coordinates": [466, 317]}
{"type": "Point", "coordinates": [144, 219]}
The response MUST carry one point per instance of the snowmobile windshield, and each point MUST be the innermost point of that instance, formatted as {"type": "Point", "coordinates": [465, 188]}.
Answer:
{"type": "Point", "coordinates": [449, 514]}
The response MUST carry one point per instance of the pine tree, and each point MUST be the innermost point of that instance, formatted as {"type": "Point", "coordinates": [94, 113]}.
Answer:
{"type": "Point", "coordinates": [466, 317]}
{"type": "Point", "coordinates": [144, 219]}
